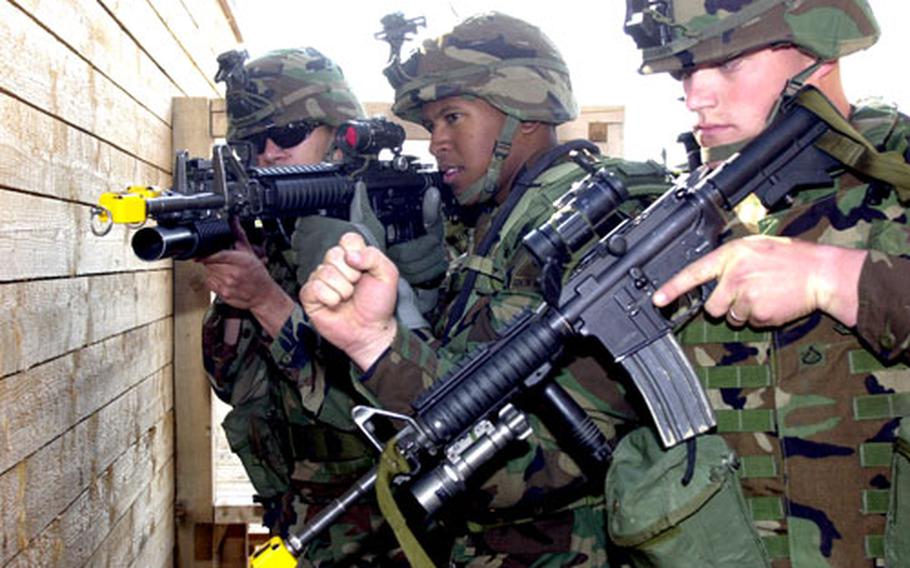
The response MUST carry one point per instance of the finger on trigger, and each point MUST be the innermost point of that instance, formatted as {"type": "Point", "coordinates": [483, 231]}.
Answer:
{"type": "Point", "coordinates": [242, 242]}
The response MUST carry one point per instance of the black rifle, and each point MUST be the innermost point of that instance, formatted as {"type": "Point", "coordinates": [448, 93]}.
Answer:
{"type": "Point", "coordinates": [193, 217]}
{"type": "Point", "coordinates": [606, 297]}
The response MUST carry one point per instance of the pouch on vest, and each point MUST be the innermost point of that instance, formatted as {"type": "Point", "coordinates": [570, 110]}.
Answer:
{"type": "Point", "coordinates": [897, 529]}
{"type": "Point", "coordinates": [254, 435]}
{"type": "Point", "coordinates": [663, 523]}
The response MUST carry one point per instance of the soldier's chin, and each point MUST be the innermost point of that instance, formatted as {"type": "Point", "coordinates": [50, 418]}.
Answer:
{"type": "Point", "coordinates": [465, 194]}
{"type": "Point", "coordinates": [713, 139]}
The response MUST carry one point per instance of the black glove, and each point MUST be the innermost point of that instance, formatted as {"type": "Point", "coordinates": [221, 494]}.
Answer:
{"type": "Point", "coordinates": [423, 261]}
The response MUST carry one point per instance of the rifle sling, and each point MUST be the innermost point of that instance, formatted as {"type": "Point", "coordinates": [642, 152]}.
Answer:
{"type": "Point", "coordinates": [853, 150]}
{"type": "Point", "coordinates": [392, 463]}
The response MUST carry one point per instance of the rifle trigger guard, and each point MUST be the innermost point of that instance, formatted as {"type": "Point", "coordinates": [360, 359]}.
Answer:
{"type": "Point", "coordinates": [696, 300]}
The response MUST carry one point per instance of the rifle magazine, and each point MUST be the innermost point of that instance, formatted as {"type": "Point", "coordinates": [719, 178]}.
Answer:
{"type": "Point", "coordinates": [671, 390]}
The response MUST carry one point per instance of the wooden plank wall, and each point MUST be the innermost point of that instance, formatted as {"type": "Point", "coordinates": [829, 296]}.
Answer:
{"type": "Point", "coordinates": [87, 451]}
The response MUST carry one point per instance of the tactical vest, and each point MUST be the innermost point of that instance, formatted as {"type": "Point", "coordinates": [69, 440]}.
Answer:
{"type": "Point", "coordinates": [810, 412]}
{"type": "Point", "coordinates": [504, 286]}
{"type": "Point", "coordinates": [503, 267]}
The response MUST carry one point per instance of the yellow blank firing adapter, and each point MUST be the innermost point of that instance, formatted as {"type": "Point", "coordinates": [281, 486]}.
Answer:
{"type": "Point", "coordinates": [273, 554]}
{"type": "Point", "coordinates": [126, 207]}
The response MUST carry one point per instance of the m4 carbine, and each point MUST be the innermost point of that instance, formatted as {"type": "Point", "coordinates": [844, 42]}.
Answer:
{"type": "Point", "coordinates": [607, 297]}
{"type": "Point", "coordinates": [193, 217]}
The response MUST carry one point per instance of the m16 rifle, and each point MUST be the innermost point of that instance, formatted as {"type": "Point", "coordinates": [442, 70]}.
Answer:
{"type": "Point", "coordinates": [193, 217]}
{"type": "Point", "coordinates": [606, 297]}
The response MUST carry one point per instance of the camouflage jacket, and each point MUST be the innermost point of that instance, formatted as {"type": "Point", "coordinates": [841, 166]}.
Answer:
{"type": "Point", "coordinates": [289, 424]}
{"type": "Point", "coordinates": [884, 314]}
{"type": "Point", "coordinates": [808, 407]}
{"type": "Point", "coordinates": [524, 486]}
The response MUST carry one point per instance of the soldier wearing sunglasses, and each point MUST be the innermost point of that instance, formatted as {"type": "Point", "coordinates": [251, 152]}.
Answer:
{"type": "Point", "coordinates": [290, 419]}
{"type": "Point", "coordinates": [297, 142]}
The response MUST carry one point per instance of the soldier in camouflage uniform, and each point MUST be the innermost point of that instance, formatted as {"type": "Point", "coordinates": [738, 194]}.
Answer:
{"type": "Point", "coordinates": [290, 422]}
{"type": "Point", "coordinates": [491, 93]}
{"type": "Point", "coordinates": [804, 344]}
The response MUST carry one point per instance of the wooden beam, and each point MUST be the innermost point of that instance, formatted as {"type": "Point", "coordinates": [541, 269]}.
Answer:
{"type": "Point", "coordinates": [94, 469]}
{"type": "Point", "coordinates": [193, 406]}
{"type": "Point", "coordinates": [229, 16]}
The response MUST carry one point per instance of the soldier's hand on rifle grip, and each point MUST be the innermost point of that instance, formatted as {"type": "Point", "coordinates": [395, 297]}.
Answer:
{"type": "Point", "coordinates": [350, 299]}
{"type": "Point", "coordinates": [769, 281]}
{"type": "Point", "coordinates": [240, 278]}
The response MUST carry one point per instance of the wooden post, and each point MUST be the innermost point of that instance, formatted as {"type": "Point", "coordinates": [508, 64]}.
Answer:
{"type": "Point", "coordinates": [192, 394]}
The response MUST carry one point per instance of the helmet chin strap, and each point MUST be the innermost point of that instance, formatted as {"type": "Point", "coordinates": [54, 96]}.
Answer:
{"type": "Point", "coordinates": [720, 153]}
{"type": "Point", "coordinates": [486, 187]}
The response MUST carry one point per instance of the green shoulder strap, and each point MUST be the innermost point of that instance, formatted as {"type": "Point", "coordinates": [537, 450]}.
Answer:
{"type": "Point", "coordinates": [392, 463]}
{"type": "Point", "coordinates": [846, 144]}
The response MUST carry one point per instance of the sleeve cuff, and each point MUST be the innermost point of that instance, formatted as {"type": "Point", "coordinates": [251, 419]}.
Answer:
{"type": "Point", "coordinates": [291, 348]}
{"type": "Point", "coordinates": [402, 373]}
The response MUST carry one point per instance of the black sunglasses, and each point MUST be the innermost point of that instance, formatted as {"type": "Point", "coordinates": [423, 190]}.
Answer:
{"type": "Point", "coordinates": [286, 136]}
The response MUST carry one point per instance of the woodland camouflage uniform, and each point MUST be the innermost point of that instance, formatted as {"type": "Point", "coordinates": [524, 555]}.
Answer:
{"type": "Point", "coordinates": [537, 508]}
{"type": "Point", "coordinates": [290, 421]}
{"type": "Point", "coordinates": [812, 408]}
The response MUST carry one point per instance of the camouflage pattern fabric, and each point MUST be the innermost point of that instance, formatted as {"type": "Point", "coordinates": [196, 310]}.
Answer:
{"type": "Point", "coordinates": [290, 420]}
{"type": "Point", "coordinates": [289, 85]}
{"type": "Point", "coordinates": [537, 508]}
{"type": "Point", "coordinates": [683, 34]}
{"type": "Point", "coordinates": [503, 60]}
{"type": "Point", "coordinates": [291, 397]}
{"type": "Point", "coordinates": [810, 411]}
{"type": "Point", "coordinates": [883, 319]}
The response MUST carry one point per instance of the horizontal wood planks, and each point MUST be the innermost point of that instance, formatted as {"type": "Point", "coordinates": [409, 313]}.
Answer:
{"type": "Point", "coordinates": [87, 395]}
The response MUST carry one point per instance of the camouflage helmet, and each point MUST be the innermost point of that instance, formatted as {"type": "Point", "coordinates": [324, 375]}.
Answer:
{"type": "Point", "coordinates": [505, 61]}
{"type": "Point", "coordinates": [675, 35]}
{"type": "Point", "coordinates": [284, 86]}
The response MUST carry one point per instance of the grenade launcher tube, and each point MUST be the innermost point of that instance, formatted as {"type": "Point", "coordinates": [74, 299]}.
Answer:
{"type": "Point", "coordinates": [485, 382]}
{"type": "Point", "coordinates": [289, 191]}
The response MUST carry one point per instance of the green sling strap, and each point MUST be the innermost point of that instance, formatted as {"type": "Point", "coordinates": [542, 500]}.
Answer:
{"type": "Point", "coordinates": [846, 144]}
{"type": "Point", "coordinates": [392, 463]}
